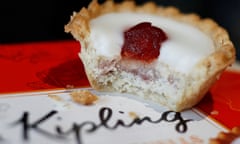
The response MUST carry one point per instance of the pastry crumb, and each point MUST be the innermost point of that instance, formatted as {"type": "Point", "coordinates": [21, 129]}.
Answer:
{"type": "Point", "coordinates": [214, 112]}
{"type": "Point", "coordinates": [69, 86]}
{"type": "Point", "coordinates": [55, 97]}
{"type": "Point", "coordinates": [226, 137]}
{"type": "Point", "coordinates": [83, 97]}
{"type": "Point", "coordinates": [133, 115]}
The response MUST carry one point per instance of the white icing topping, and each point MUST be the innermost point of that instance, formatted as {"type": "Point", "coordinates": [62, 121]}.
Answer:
{"type": "Point", "coordinates": [186, 45]}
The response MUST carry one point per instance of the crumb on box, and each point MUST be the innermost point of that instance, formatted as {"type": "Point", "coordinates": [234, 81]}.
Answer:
{"type": "Point", "coordinates": [84, 97]}
{"type": "Point", "coordinates": [226, 137]}
{"type": "Point", "coordinates": [133, 115]}
{"type": "Point", "coordinates": [69, 86]}
{"type": "Point", "coordinates": [55, 97]}
{"type": "Point", "coordinates": [214, 112]}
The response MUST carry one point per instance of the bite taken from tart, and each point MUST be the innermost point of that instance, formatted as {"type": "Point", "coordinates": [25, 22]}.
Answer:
{"type": "Point", "coordinates": [151, 51]}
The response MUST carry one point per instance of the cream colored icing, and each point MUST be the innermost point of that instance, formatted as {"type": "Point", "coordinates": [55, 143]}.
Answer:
{"type": "Point", "coordinates": [186, 45]}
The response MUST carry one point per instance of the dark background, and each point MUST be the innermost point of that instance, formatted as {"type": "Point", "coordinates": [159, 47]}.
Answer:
{"type": "Point", "coordinates": [31, 21]}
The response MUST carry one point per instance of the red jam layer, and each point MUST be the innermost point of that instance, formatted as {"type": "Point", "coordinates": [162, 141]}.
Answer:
{"type": "Point", "coordinates": [143, 42]}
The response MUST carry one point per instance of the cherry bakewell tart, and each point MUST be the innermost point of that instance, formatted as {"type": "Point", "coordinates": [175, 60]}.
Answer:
{"type": "Point", "coordinates": [154, 52]}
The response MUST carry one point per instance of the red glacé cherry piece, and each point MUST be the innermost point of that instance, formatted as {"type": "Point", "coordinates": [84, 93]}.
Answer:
{"type": "Point", "coordinates": [142, 42]}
